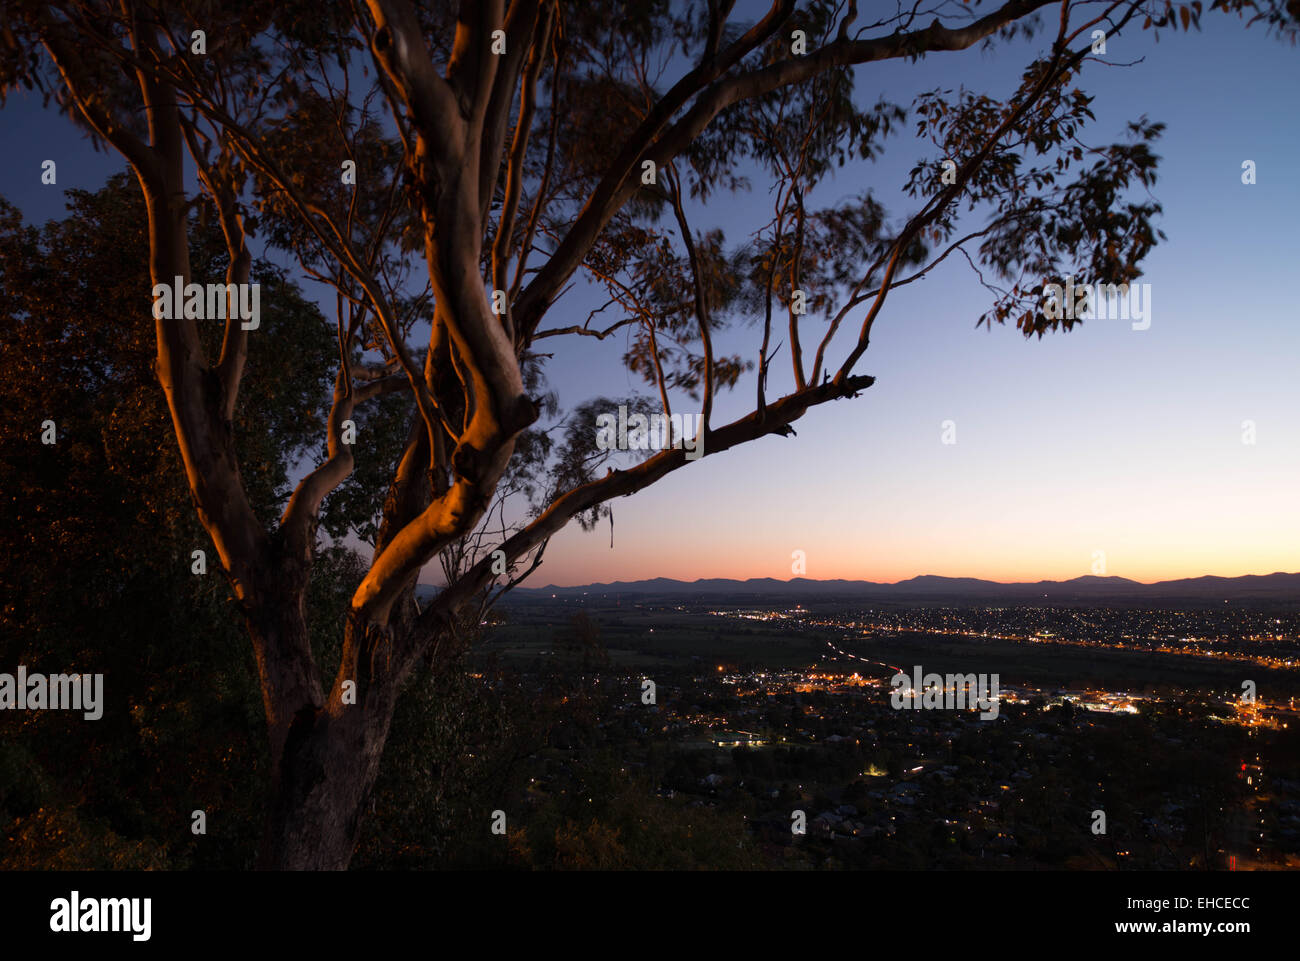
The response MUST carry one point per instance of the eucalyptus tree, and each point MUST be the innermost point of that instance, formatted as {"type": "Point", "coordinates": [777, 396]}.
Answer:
{"type": "Point", "coordinates": [453, 173]}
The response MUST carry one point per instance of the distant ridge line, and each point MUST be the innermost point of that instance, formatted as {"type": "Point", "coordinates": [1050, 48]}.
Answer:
{"type": "Point", "coordinates": [1272, 587]}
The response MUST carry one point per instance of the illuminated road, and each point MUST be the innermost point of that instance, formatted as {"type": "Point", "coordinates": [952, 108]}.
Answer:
{"type": "Point", "coordinates": [843, 653]}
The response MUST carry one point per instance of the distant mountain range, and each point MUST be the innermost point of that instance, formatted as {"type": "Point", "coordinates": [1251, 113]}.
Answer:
{"type": "Point", "coordinates": [1253, 588]}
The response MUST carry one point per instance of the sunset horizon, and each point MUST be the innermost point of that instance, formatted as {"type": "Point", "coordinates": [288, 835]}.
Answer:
{"type": "Point", "coordinates": [692, 580]}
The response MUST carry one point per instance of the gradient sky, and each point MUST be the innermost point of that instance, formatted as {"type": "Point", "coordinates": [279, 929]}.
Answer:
{"type": "Point", "coordinates": [1104, 439]}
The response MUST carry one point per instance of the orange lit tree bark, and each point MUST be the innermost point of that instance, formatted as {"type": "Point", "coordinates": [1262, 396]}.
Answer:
{"type": "Point", "coordinates": [481, 184]}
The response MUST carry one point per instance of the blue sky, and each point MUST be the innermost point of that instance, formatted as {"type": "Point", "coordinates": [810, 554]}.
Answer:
{"type": "Point", "coordinates": [1106, 439]}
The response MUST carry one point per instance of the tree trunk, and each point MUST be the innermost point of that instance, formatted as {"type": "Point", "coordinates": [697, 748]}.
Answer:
{"type": "Point", "coordinates": [325, 750]}
{"type": "Point", "coordinates": [323, 780]}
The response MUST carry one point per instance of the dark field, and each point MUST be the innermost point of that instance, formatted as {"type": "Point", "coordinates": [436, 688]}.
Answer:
{"type": "Point", "coordinates": [642, 637]}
